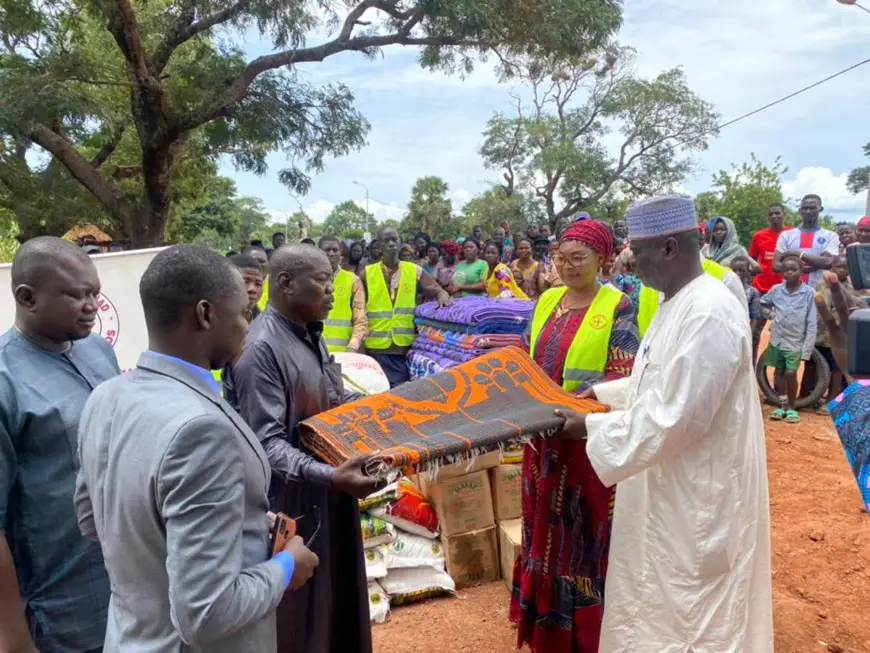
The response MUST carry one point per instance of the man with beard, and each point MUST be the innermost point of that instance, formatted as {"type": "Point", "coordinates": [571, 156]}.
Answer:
{"type": "Point", "coordinates": [689, 566]}
{"type": "Point", "coordinates": [50, 362]}
{"type": "Point", "coordinates": [391, 298]}
{"type": "Point", "coordinates": [346, 325]}
{"type": "Point", "coordinates": [284, 375]}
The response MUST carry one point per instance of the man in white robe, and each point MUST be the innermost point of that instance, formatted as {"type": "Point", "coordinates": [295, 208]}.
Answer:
{"type": "Point", "coordinates": [689, 568]}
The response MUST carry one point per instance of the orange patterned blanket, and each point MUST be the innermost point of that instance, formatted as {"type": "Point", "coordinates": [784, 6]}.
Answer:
{"type": "Point", "coordinates": [498, 399]}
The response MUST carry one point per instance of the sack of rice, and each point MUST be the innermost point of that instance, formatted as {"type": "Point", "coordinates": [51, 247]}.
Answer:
{"type": "Point", "coordinates": [414, 551]}
{"type": "Point", "coordinates": [376, 562]}
{"type": "Point", "coordinates": [375, 531]}
{"type": "Point", "coordinates": [379, 603]}
{"type": "Point", "coordinates": [410, 511]}
{"type": "Point", "coordinates": [416, 584]}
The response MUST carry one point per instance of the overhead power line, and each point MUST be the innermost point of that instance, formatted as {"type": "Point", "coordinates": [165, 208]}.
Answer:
{"type": "Point", "coordinates": [791, 95]}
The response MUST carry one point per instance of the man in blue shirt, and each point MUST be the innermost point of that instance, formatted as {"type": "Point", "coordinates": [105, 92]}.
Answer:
{"type": "Point", "coordinates": [50, 361]}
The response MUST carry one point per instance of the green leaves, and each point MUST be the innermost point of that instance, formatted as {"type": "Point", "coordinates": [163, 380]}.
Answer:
{"type": "Point", "coordinates": [430, 210]}
{"type": "Point", "coordinates": [347, 220]}
{"type": "Point", "coordinates": [744, 194]}
{"type": "Point", "coordinates": [124, 93]}
{"type": "Point", "coordinates": [561, 146]}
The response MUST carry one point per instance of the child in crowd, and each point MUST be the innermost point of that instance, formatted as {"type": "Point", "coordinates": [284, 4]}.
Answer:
{"type": "Point", "coordinates": [742, 266]}
{"type": "Point", "coordinates": [793, 332]}
{"type": "Point", "coordinates": [840, 267]}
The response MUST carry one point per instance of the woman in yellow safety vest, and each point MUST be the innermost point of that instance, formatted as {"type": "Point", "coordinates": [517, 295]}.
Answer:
{"type": "Point", "coordinates": [581, 334]}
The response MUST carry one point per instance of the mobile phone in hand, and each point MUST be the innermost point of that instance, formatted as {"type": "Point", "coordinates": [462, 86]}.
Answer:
{"type": "Point", "coordinates": [283, 531]}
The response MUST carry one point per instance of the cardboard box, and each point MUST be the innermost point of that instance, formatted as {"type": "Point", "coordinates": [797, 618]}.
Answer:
{"type": "Point", "coordinates": [472, 558]}
{"type": "Point", "coordinates": [463, 504]}
{"type": "Point", "coordinates": [486, 461]}
{"type": "Point", "coordinates": [507, 491]}
{"type": "Point", "coordinates": [510, 544]}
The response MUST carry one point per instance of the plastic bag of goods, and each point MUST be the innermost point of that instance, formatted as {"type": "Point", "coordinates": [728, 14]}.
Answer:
{"type": "Point", "coordinates": [376, 562]}
{"type": "Point", "coordinates": [379, 603]}
{"type": "Point", "coordinates": [416, 584]}
{"type": "Point", "coordinates": [414, 551]}
{"type": "Point", "coordinates": [512, 453]}
{"type": "Point", "coordinates": [362, 373]}
{"type": "Point", "coordinates": [410, 511]}
{"type": "Point", "coordinates": [382, 496]}
{"type": "Point", "coordinates": [375, 531]}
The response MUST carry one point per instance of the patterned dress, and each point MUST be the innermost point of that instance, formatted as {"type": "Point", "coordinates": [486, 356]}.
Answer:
{"type": "Point", "coordinates": [851, 414]}
{"type": "Point", "coordinates": [558, 586]}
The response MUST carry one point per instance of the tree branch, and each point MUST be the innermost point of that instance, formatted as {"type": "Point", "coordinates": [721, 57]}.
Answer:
{"type": "Point", "coordinates": [237, 90]}
{"type": "Point", "coordinates": [84, 172]}
{"type": "Point", "coordinates": [108, 147]}
{"type": "Point", "coordinates": [185, 29]}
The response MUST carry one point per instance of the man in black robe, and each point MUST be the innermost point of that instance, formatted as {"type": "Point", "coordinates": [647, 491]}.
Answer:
{"type": "Point", "coordinates": [283, 376]}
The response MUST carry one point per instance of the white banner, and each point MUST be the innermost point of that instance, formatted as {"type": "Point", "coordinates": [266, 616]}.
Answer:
{"type": "Point", "coordinates": [120, 319]}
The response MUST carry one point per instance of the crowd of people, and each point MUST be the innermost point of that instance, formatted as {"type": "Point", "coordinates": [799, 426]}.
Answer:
{"type": "Point", "coordinates": [135, 506]}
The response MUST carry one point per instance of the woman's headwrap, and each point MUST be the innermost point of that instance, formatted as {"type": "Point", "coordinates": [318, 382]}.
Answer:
{"type": "Point", "coordinates": [864, 222]}
{"type": "Point", "coordinates": [450, 247]}
{"type": "Point", "coordinates": [592, 233]}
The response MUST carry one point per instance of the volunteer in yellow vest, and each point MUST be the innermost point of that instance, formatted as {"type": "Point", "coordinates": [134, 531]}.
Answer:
{"type": "Point", "coordinates": [581, 333]}
{"type": "Point", "coordinates": [391, 290]}
{"type": "Point", "coordinates": [346, 326]}
{"type": "Point", "coordinates": [649, 301]}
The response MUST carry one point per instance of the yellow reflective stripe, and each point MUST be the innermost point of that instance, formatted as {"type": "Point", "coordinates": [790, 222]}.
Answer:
{"type": "Point", "coordinates": [391, 324]}
{"type": "Point", "coordinates": [587, 355]}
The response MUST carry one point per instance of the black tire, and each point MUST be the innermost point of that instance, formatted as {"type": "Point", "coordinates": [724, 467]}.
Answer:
{"type": "Point", "coordinates": [823, 379]}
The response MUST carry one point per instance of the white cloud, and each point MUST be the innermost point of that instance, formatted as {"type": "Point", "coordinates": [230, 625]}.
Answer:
{"type": "Point", "coordinates": [320, 209]}
{"type": "Point", "coordinates": [460, 197]}
{"type": "Point", "coordinates": [823, 182]}
{"type": "Point", "coordinates": [738, 55]}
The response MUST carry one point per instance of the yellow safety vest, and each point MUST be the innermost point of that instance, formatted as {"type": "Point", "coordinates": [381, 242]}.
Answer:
{"type": "Point", "coordinates": [338, 328]}
{"type": "Point", "coordinates": [265, 298]}
{"type": "Point", "coordinates": [388, 324]}
{"type": "Point", "coordinates": [587, 356]}
{"type": "Point", "coordinates": [649, 298]}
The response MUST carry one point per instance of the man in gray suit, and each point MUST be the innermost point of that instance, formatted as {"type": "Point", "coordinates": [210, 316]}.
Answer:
{"type": "Point", "coordinates": [174, 484]}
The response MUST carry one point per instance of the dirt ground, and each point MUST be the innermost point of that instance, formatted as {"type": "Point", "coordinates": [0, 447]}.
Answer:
{"type": "Point", "coordinates": [821, 563]}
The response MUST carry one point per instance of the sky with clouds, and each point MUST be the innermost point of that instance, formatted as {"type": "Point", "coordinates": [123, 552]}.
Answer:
{"type": "Point", "coordinates": [738, 55]}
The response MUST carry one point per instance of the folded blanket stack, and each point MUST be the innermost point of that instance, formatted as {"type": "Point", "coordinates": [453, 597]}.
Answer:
{"type": "Point", "coordinates": [468, 328]}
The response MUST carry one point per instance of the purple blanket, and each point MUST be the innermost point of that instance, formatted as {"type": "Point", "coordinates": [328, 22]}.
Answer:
{"type": "Point", "coordinates": [474, 311]}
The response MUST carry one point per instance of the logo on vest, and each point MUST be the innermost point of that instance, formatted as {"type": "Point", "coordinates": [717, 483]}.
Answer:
{"type": "Point", "coordinates": [406, 287]}
{"type": "Point", "coordinates": [108, 325]}
{"type": "Point", "coordinates": [598, 321]}
{"type": "Point", "coordinates": [341, 291]}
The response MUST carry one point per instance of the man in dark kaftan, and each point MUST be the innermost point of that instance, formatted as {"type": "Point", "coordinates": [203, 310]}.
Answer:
{"type": "Point", "coordinates": [283, 376]}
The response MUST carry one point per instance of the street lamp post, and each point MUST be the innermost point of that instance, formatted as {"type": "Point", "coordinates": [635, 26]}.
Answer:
{"type": "Point", "coordinates": [854, 3]}
{"type": "Point", "coordinates": [366, 188]}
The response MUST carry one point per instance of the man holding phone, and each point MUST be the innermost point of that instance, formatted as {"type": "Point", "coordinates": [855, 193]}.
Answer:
{"type": "Point", "coordinates": [175, 485]}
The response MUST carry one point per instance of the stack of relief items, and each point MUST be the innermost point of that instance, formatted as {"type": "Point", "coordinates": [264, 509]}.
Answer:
{"type": "Point", "coordinates": [468, 328]}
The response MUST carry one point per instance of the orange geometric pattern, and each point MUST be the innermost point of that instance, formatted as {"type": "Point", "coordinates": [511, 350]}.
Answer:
{"type": "Point", "coordinates": [473, 408]}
